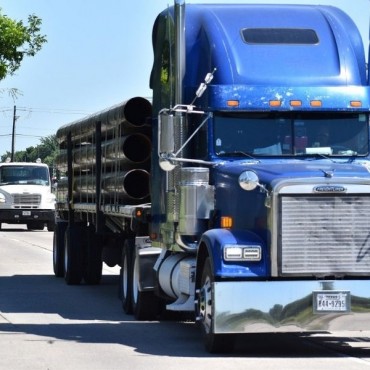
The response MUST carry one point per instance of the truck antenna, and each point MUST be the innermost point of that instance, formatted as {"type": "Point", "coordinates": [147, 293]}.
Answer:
{"type": "Point", "coordinates": [203, 86]}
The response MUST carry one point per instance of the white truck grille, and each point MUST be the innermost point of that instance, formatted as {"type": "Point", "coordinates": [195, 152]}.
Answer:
{"type": "Point", "coordinates": [26, 200]}
{"type": "Point", "coordinates": [325, 235]}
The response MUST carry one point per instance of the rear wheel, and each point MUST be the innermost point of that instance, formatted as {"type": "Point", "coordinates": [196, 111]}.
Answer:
{"type": "Point", "coordinates": [214, 343]}
{"type": "Point", "coordinates": [50, 225]}
{"type": "Point", "coordinates": [93, 263]}
{"type": "Point", "coordinates": [58, 248]}
{"type": "Point", "coordinates": [126, 275]}
{"type": "Point", "coordinates": [73, 255]}
{"type": "Point", "coordinates": [145, 304]}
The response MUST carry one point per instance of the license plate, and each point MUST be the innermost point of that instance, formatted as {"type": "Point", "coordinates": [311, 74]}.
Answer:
{"type": "Point", "coordinates": [331, 301]}
{"type": "Point", "coordinates": [26, 213]}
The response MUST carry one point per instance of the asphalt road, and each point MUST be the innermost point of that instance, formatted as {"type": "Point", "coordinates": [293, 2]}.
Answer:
{"type": "Point", "coordinates": [45, 324]}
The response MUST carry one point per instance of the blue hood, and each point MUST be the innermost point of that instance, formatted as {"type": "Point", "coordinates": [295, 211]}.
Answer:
{"type": "Point", "coordinates": [247, 208]}
{"type": "Point", "coordinates": [270, 171]}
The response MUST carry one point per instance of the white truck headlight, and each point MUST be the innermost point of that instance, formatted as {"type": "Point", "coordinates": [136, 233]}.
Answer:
{"type": "Point", "coordinates": [249, 253]}
{"type": "Point", "coordinates": [2, 198]}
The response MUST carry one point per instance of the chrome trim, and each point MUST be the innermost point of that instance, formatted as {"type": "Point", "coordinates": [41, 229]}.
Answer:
{"type": "Point", "coordinates": [304, 186]}
{"type": "Point", "coordinates": [286, 306]}
{"type": "Point", "coordinates": [180, 49]}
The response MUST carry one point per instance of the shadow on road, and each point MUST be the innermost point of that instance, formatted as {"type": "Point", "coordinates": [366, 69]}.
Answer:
{"type": "Point", "coordinates": [93, 314]}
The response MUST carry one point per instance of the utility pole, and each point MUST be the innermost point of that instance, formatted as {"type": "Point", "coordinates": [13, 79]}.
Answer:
{"type": "Point", "coordinates": [13, 132]}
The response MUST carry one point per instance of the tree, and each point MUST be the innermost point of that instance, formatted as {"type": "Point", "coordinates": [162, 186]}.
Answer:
{"type": "Point", "coordinates": [18, 40]}
{"type": "Point", "coordinates": [46, 151]}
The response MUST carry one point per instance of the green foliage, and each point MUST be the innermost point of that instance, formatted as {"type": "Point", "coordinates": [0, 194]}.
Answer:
{"type": "Point", "coordinates": [46, 151]}
{"type": "Point", "coordinates": [18, 40]}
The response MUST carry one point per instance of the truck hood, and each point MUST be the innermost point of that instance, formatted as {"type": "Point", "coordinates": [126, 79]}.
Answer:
{"type": "Point", "coordinates": [23, 189]}
{"type": "Point", "coordinates": [271, 171]}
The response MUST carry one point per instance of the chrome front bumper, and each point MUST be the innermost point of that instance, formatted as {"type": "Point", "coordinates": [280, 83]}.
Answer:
{"type": "Point", "coordinates": [291, 306]}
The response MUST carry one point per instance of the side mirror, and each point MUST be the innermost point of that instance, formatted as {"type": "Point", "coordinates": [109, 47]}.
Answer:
{"type": "Point", "coordinates": [166, 140]}
{"type": "Point", "coordinates": [166, 133]}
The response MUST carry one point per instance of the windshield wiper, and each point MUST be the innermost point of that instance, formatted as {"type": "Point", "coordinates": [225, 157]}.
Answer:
{"type": "Point", "coordinates": [235, 153]}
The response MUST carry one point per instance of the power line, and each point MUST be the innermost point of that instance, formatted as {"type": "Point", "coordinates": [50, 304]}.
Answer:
{"type": "Point", "coordinates": [46, 110]}
{"type": "Point", "coordinates": [52, 110]}
{"type": "Point", "coordinates": [29, 135]}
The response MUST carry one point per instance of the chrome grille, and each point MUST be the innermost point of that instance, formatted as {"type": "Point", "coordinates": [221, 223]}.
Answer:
{"type": "Point", "coordinates": [325, 235]}
{"type": "Point", "coordinates": [26, 200]}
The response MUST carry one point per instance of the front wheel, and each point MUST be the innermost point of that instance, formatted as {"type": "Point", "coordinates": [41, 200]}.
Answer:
{"type": "Point", "coordinates": [145, 304]}
{"type": "Point", "coordinates": [35, 225]}
{"type": "Point", "coordinates": [214, 343]}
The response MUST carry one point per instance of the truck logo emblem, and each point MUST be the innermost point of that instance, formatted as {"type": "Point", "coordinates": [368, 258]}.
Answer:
{"type": "Point", "coordinates": [329, 189]}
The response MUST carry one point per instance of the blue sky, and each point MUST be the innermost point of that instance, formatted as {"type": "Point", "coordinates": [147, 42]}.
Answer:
{"type": "Point", "coordinates": [98, 54]}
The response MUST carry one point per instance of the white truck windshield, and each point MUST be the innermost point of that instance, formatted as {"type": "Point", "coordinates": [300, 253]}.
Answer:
{"type": "Point", "coordinates": [14, 175]}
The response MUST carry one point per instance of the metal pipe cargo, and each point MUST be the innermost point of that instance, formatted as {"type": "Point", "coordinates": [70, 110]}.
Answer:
{"type": "Point", "coordinates": [127, 186]}
{"type": "Point", "coordinates": [132, 113]}
{"type": "Point", "coordinates": [127, 151]}
{"type": "Point", "coordinates": [134, 148]}
{"type": "Point", "coordinates": [133, 184]}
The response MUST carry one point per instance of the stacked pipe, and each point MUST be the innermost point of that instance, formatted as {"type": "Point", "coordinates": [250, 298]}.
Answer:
{"type": "Point", "coordinates": [125, 148]}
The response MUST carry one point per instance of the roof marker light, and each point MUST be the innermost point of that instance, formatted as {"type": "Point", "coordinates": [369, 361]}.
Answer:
{"type": "Point", "coordinates": [233, 103]}
{"type": "Point", "coordinates": [316, 103]}
{"type": "Point", "coordinates": [356, 103]}
{"type": "Point", "coordinates": [275, 103]}
{"type": "Point", "coordinates": [295, 103]}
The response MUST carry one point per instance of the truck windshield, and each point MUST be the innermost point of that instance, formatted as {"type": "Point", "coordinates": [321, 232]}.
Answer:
{"type": "Point", "coordinates": [20, 175]}
{"type": "Point", "coordinates": [290, 133]}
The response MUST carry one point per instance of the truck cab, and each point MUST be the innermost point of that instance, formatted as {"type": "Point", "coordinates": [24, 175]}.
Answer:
{"type": "Point", "coordinates": [26, 196]}
{"type": "Point", "coordinates": [250, 208]}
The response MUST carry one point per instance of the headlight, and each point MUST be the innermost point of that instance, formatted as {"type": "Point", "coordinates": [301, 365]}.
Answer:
{"type": "Point", "coordinates": [2, 198]}
{"type": "Point", "coordinates": [251, 253]}
{"type": "Point", "coordinates": [248, 180]}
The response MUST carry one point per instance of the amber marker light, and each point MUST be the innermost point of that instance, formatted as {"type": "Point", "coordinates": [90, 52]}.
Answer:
{"type": "Point", "coordinates": [295, 103]}
{"type": "Point", "coordinates": [356, 103]}
{"type": "Point", "coordinates": [233, 103]}
{"type": "Point", "coordinates": [275, 103]}
{"type": "Point", "coordinates": [226, 222]}
{"type": "Point", "coordinates": [316, 103]}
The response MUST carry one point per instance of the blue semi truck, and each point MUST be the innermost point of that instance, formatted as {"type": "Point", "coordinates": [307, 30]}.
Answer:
{"type": "Point", "coordinates": [241, 193]}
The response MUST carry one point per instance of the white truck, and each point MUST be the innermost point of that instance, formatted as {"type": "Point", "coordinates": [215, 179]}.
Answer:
{"type": "Point", "coordinates": [26, 195]}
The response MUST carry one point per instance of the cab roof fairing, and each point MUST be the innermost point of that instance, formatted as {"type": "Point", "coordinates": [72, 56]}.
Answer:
{"type": "Point", "coordinates": [214, 40]}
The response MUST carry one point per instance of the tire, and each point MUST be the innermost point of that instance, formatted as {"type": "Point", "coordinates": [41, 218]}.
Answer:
{"type": "Point", "coordinates": [50, 225]}
{"type": "Point", "coordinates": [58, 248]}
{"type": "Point", "coordinates": [126, 276]}
{"type": "Point", "coordinates": [145, 305]}
{"type": "Point", "coordinates": [73, 253]}
{"type": "Point", "coordinates": [93, 263]}
{"type": "Point", "coordinates": [35, 225]}
{"type": "Point", "coordinates": [214, 343]}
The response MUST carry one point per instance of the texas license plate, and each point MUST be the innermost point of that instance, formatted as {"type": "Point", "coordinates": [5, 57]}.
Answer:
{"type": "Point", "coordinates": [331, 301]}
{"type": "Point", "coordinates": [26, 213]}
